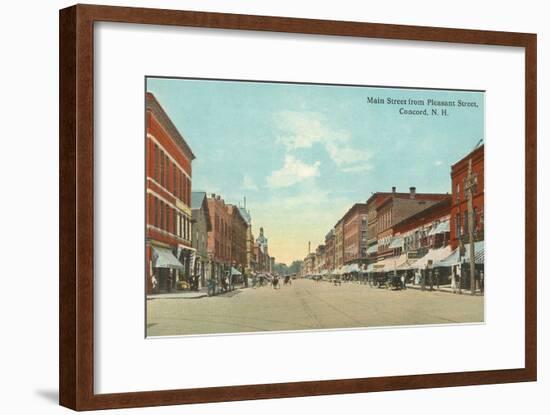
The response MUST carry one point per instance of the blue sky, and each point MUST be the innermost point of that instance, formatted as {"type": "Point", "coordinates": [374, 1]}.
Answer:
{"type": "Point", "coordinates": [303, 154]}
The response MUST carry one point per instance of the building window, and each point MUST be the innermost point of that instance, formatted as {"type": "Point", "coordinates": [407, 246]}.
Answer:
{"type": "Point", "coordinates": [155, 212]}
{"type": "Point", "coordinates": [161, 215]}
{"type": "Point", "coordinates": [174, 179]}
{"type": "Point", "coordinates": [156, 163]}
{"type": "Point", "coordinates": [166, 161]}
{"type": "Point", "coordinates": [458, 193]}
{"type": "Point", "coordinates": [175, 224]}
{"type": "Point", "coordinates": [161, 181]}
{"type": "Point", "coordinates": [466, 228]}
{"type": "Point", "coordinates": [457, 226]}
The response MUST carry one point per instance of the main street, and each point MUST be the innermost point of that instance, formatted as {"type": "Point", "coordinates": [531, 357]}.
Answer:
{"type": "Point", "coordinates": [308, 305]}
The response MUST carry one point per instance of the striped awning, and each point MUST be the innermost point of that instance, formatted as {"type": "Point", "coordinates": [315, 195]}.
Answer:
{"type": "Point", "coordinates": [442, 227]}
{"type": "Point", "coordinates": [373, 249]}
{"type": "Point", "coordinates": [396, 242]}
{"type": "Point", "coordinates": [164, 258]}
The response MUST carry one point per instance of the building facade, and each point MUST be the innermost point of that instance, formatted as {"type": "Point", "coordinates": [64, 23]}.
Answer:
{"type": "Point", "coordinates": [329, 250]}
{"type": "Point", "coordinates": [239, 231]}
{"type": "Point", "coordinates": [427, 229]}
{"type": "Point", "coordinates": [169, 251]}
{"type": "Point", "coordinates": [354, 224]}
{"type": "Point", "coordinates": [395, 208]}
{"type": "Point", "coordinates": [459, 211]}
{"type": "Point", "coordinates": [339, 244]}
{"type": "Point", "coordinates": [200, 228]}
{"type": "Point", "coordinates": [249, 263]}
{"type": "Point", "coordinates": [219, 238]}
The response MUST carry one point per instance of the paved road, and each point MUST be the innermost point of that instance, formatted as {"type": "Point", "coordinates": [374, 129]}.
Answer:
{"type": "Point", "coordinates": [308, 305]}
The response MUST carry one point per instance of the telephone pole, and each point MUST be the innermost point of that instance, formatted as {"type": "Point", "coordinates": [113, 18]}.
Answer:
{"type": "Point", "coordinates": [469, 187]}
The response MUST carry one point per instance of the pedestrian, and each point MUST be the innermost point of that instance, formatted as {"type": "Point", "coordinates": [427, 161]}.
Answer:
{"type": "Point", "coordinates": [437, 279]}
{"type": "Point", "coordinates": [481, 282]}
{"type": "Point", "coordinates": [431, 279]}
{"type": "Point", "coordinates": [169, 280]}
{"type": "Point", "coordinates": [423, 279]}
{"type": "Point", "coordinates": [403, 282]}
{"type": "Point", "coordinates": [154, 283]}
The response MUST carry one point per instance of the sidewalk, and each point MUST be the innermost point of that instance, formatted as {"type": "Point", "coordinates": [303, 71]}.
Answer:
{"type": "Point", "coordinates": [201, 293]}
{"type": "Point", "coordinates": [442, 288]}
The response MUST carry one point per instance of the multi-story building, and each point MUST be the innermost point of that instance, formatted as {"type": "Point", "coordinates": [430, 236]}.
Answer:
{"type": "Point", "coordinates": [354, 224]}
{"type": "Point", "coordinates": [169, 252]}
{"type": "Point", "coordinates": [239, 230]}
{"type": "Point", "coordinates": [219, 238]}
{"type": "Point", "coordinates": [427, 229]}
{"type": "Point", "coordinates": [320, 258]}
{"type": "Point", "coordinates": [395, 208]}
{"type": "Point", "coordinates": [329, 251]}
{"type": "Point", "coordinates": [339, 244]}
{"type": "Point", "coordinates": [308, 266]}
{"type": "Point", "coordinates": [459, 211]}
{"type": "Point", "coordinates": [249, 263]}
{"type": "Point", "coordinates": [261, 250]}
{"type": "Point", "coordinates": [201, 226]}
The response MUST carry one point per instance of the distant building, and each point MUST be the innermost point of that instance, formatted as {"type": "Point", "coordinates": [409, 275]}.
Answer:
{"type": "Point", "coordinates": [329, 254]}
{"type": "Point", "coordinates": [219, 238]}
{"type": "Point", "coordinates": [355, 234]}
{"type": "Point", "coordinates": [339, 244]}
{"type": "Point", "coordinates": [459, 211]}
{"type": "Point", "coordinates": [201, 226]}
{"type": "Point", "coordinates": [249, 263]}
{"type": "Point", "coordinates": [239, 231]}
{"type": "Point", "coordinates": [169, 253]}
{"type": "Point", "coordinates": [320, 258]}
{"type": "Point", "coordinates": [261, 250]}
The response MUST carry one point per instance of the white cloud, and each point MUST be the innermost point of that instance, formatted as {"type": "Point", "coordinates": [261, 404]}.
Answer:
{"type": "Point", "coordinates": [293, 171]}
{"type": "Point", "coordinates": [249, 183]}
{"type": "Point", "coordinates": [304, 129]}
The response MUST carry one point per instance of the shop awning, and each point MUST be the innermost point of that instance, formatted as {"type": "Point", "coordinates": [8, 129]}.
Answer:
{"type": "Point", "coordinates": [235, 271]}
{"type": "Point", "coordinates": [388, 264]}
{"type": "Point", "coordinates": [454, 258]}
{"type": "Point", "coordinates": [163, 258]}
{"type": "Point", "coordinates": [442, 227]}
{"type": "Point", "coordinates": [373, 249]}
{"type": "Point", "coordinates": [352, 268]}
{"type": "Point", "coordinates": [433, 255]}
{"type": "Point", "coordinates": [396, 242]}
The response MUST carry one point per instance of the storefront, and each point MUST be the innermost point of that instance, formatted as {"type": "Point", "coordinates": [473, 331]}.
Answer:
{"type": "Point", "coordinates": [165, 268]}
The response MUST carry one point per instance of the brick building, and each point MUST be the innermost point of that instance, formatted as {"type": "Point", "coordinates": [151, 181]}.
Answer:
{"type": "Point", "coordinates": [320, 257]}
{"type": "Point", "coordinates": [459, 211]}
{"type": "Point", "coordinates": [427, 229]}
{"type": "Point", "coordinates": [354, 228]}
{"type": "Point", "coordinates": [219, 238]}
{"type": "Point", "coordinates": [250, 262]}
{"type": "Point", "coordinates": [239, 231]}
{"type": "Point", "coordinates": [339, 244]}
{"type": "Point", "coordinates": [329, 250]}
{"type": "Point", "coordinates": [396, 207]}
{"type": "Point", "coordinates": [201, 226]}
{"type": "Point", "coordinates": [169, 253]}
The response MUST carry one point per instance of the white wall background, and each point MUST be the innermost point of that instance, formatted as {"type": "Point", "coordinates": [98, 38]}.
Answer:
{"type": "Point", "coordinates": [29, 211]}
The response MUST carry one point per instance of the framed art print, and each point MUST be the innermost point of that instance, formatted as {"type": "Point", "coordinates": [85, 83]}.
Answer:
{"type": "Point", "coordinates": [243, 197]}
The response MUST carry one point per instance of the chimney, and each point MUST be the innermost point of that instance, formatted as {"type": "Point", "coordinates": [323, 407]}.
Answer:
{"type": "Point", "coordinates": [244, 203]}
{"type": "Point", "coordinates": [393, 189]}
{"type": "Point", "coordinates": [213, 195]}
{"type": "Point", "coordinates": [413, 191]}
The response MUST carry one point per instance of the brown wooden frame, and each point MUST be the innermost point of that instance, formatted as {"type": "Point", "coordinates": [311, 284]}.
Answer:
{"type": "Point", "coordinates": [76, 176]}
